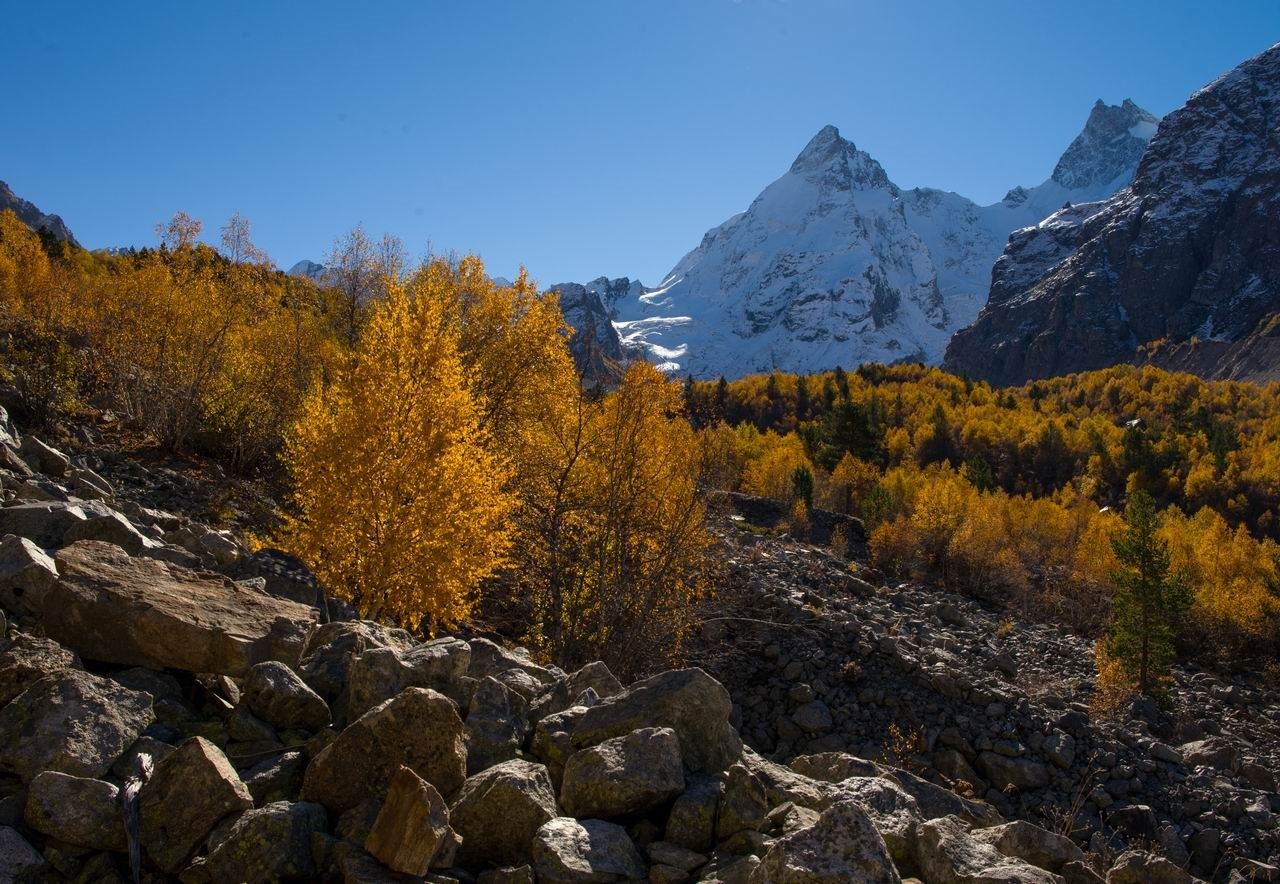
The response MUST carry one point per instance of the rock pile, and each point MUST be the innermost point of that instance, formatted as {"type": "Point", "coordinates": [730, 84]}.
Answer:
{"type": "Point", "coordinates": [820, 657]}
{"type": "Point", "coordinates": [188, 706]}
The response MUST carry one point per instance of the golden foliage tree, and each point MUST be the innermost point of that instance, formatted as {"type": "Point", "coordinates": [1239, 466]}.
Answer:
{"type": "Point", "coordinates": [617, 561]}
{"type": "Point", "coordinates": [400, 503]}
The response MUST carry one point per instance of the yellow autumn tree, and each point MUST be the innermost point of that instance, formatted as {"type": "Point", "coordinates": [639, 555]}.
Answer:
{"type": "Point", "coordinates": [400, 501]}
{"type": "Point", "coordinates": [616, 558]}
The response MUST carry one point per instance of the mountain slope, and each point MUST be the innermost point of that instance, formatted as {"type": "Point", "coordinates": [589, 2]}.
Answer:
{"type": "Point", "coordinates": [834, 264]}
{"type": "Point", "coordinates": [31, 216]}
{"type": "Point", "coordinates": [1191, 248]}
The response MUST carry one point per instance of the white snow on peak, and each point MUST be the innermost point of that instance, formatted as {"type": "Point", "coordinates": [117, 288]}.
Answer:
{"type": "Point", "coordinates": [833, 264]}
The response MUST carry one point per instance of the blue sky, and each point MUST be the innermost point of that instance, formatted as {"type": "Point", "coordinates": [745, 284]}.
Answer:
{"type": "Point", "coordinates": [577, 137]}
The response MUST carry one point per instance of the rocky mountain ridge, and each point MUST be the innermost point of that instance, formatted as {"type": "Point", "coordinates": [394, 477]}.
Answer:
{"type": "Point", "coordinates": [1189, 249]}
{"type": "Point", "coordinates": [165, 689]}
{"type": "Point", "coordinates": [31, 216]}
{"type": "Point", "coordinates": [834, 264]}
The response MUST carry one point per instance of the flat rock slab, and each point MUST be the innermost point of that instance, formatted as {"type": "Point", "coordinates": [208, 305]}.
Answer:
{"type": "Point", "coordinates": [110, 607]}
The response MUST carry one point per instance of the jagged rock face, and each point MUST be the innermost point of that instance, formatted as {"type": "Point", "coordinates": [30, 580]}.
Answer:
{"type": "Point", "coordinates": [317, 273]}
{"type": "Point", "coordinates": [1191, 248]}
{"type": "Point", "coordinates": [1111, 144]}
{"type": "Point", "coordinates": [31, 216]}
{"type": "Point", "coordinates": [833, 264]}
{"type": "Point", "coordinates": [595, 345]}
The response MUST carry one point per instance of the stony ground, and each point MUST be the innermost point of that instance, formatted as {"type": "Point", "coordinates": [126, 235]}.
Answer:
{"type": "Point", "coordinates": [824, 655]}
{"type": "Point", "coordinates": [174, 707]}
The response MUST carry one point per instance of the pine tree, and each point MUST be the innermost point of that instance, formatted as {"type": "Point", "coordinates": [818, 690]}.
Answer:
{"type": "Point", "coordinates": [1149, 601]}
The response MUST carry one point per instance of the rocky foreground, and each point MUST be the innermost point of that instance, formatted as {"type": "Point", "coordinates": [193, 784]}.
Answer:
{"type": "Point", "coordinates": [176, 707]}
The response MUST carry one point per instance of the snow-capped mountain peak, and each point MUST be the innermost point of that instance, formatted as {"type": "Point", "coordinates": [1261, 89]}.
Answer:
{"type": "Point", "coordinates": [837, 163]}
{"type": "Point", "coordinates": [834, 264]}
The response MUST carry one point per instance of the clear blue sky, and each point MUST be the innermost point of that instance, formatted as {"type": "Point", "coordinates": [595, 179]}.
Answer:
{"type": "Point", "coordinates": [578, 137]}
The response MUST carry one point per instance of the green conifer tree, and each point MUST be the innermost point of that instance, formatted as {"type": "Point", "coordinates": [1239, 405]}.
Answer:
{"type": "Point", "coordinates": [1149, 601]}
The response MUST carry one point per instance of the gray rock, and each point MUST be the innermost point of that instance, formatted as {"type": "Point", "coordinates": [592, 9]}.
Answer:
{"type": "Point", "coordinates": [278, 778]}
{"type": "Point", "coordinates": [841, 846]}
{"type": "Point", "coordinates": [499, 810]}
{"type": "Point", "coordinates": [691, 824]}
{"type": "Point", "coordinates": [495, 725]}
{"type": "Point", "coordinates": [276, 694]}
{"type": "Point", "coordinates": [45, 524]}
{"type": "Point", "coordinates": [553, 741]}
{"type": "Point", "coordinates": [1213, 752]}
{"type": "Point", "coordinates": [893, 812]}
{"type": "Point", "coordinates": [272, 843]}
{"type": "Point", "coordinates": [193, 788]}
{"type": "Point", "coordinates": [80, 811]}
{"type": "Point", "coordinates": [1140, 867]}
{"type": "Point", "coordinates": [569, 851]}
{"type": "Point", "coordinates": [490, 658]}
{"type": "Point", "coordinates": [813, 717]}
{"type": "Point", "coordinates": [623, 776]}
{"type": "Point", "coordinates": [26, 574]}
{"type": "Point", "coordinates": [1018, 773]}
{"type": "Point", "coordinates": [744, 803]}
{"type": "Point", "coordinates": [688, 701]}
{"type": "Point", "coordinates": [946, 853]}
{"type": "Point", "coordinates": [71, 722]}
{"type": "Point", "coordinates": [383, 672]}
{"type": "Point", "coordinates": [419, 729]}
{"type": "Point", "coordinates": [566, 691]}
{"type": "Point", "coordinates": [27, 659]}
{"type": "Point", "coordinates": [44, 458]}
{"type": "Point", "coordinates": [1033, 844]}
{"type": "Point", "coordinates": [17, 856]}
{"type": "Point", "coordinates": [108, 527]}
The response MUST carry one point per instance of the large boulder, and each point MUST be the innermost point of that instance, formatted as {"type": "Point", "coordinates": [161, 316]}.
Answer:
{"type": "Point", "coordinates": [330, 653]}
{"type": "Point", "coordinates": [490, 659]}
{"type": "Point", "coordinates": [73, 723]}
{"type": "Point", "coordinates": [17, 856]}
{"type": "Point", "coordinates": [1038, 846]}
{"type": "Point", "coordinates": [192, 788]}
{"type": "Point", "coordinates": [691, 824]}
{"type": "Point", "coordinates": [744, 804]}
{"type": "Point", "coordinates": [569, 851]}
{"type": "Point", "coordinates": [893, 812]}
{"type": "Point", "coordinates": [44, 457]}
{"type": "Point", "coordinates": [935, 801]}
{"type": "Point", "coordinates": [275, 693]}
{"type": "Point", "coordinates": [495, 724]}
{"type": "Point", "coordinates": [45, 523]}
{"type": "Point", "coordinates": [381, 673]}
{"type": "Point", "coordinates": [80, 811]}
{"type": "Point", "coordinates": [419, 729]}
{"type": "Point", "coordinates": [690, 702]}
{"type": "Point", "coordinates": [499, 810]}
{"type": "Point", "coordinates": [566, 691]}
{"type": "Point", "coordinates": [109, 527]}
{"type": "Point", "coordinates": [946, 853]}
{"type": "Point", "coordinates": [1140, 867]}
{"type": "Point", "coordinates": [410, 827]}
{"type": "Point", "coordinates": [842, 845]}
{"type": "Point", "coordinates": [623, 776]}
{"type": "Point", "coordinates": [117, 609]}
{"type": "Point", "coordinates": [269, 844]}
{"type": "Point", "coordinates": [285, 576]}
{"type": "Point", "coordinates": [27, 574]}
{"type": "Point", "coordinates": [27, 659]}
